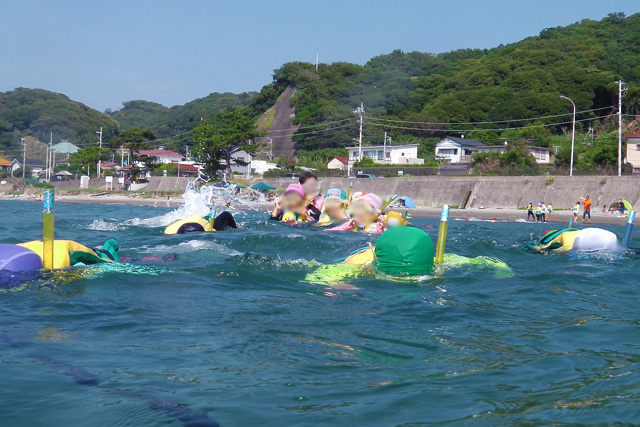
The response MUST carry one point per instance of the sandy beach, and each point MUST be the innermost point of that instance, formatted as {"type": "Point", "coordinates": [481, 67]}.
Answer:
{"type": "Point", "coordinates": [561, 217]}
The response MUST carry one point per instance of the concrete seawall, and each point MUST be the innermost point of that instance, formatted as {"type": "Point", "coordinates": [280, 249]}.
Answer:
{"type": "Point", "coordinates": [463, 192]}
{"type": "Point", "coordinates": [494, 192]}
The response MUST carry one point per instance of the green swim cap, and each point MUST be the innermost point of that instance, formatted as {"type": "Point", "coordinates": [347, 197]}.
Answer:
{"type": "Point", "coordinates": [404, 251]}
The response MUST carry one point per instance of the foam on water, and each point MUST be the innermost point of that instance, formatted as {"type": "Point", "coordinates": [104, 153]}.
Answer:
{"type": "Point", "coordinates": [189, 246]}
{"type": "Point", "coordinates": [197, 201]}
{"type": "Point", "coordinates": [105, 225]}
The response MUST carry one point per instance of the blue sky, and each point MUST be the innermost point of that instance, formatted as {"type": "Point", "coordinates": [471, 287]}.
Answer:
{"type": "Point", "coordinates": [104, 52]}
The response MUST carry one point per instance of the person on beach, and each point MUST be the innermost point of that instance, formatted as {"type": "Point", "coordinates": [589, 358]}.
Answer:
{"type": "Point", "coordinates": [587, 209]}
{"type": "Point", "coordinates": [576, 211]}
{"type": "Point", "coordinates": [530, 211]}
{"type": "Point", "coordinates": [622, 207]}
{"type": "Point", "coordinates": [543, 212]}
{"type": "Point", "coordinates": [168, 202]}
{"type": "Point", "coordinates": [292, 207]}
{"type": "Point", "coordinates": [310, 184]}
{"type": "Point", "coordinates": [538, 212]}
{"type": "Point", "coordinates": [550, 211]}
{"type": "Point", "coordinates": [604, 209]}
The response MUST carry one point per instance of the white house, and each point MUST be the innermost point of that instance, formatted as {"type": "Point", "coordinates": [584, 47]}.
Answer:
{"type": "Point", "coordinates": [633, 150]}
{"type": "Point", "coordinates": [259, 167]}
{"type": "Point", "coordinates": [34, 165]}
{"type": "Point", "coordinates": [542, 154]}
{"type": "Point", "coordinates": [457, 150]}
{"type": "Point", "coordinates": [339, 163]}
{"type": "Point", "coordinates": [406, 154]}
{"type": "Point", "coordinates": [161, 156]}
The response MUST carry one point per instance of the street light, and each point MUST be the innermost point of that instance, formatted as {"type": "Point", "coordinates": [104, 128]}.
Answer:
{"type": "Point", "coordinates": [573, 132]}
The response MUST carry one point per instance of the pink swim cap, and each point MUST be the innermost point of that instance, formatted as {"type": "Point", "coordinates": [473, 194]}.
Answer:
{"type": "Point", "coordinates": [373, 200]}
{"type": "Point", "coordinates": [295, 188]}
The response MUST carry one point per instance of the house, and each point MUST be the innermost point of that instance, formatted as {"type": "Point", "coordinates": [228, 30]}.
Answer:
{"type": "Point", "coordinates": [65, 147]}
{"type": "Point", "coordinates": [160, 155]}
{"type": "Point", "coordinates": [188, 170]}
{"type": "Point", "coordinates": [541, 154]}
{"type": "Point", "coordinates": [633, 150]}
{"type": "Point", "coordinates": [241, 162]}
{"type": "Point", "coordinates": [34, 165]}
{"type": "Point", "coordinates": [457, 150]}
{"type": "Point", "coordinates": [5, 165]}
{"type": "Point", "coordinates": [406, 154]}
{"type": "Point", "coordinates": [338, 163]}
{"type": "Point", "coordinates": [109, 165]}
{"type": "Point", "coordinates": [259, 167]}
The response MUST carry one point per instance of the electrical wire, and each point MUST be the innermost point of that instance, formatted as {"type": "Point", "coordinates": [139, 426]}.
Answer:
{"type": "Point", "coordinates": [495, 129]}
{"type": "Point", "coordinates": [313, 126]}
{"type": "Point", "coordinates": [489, 122]}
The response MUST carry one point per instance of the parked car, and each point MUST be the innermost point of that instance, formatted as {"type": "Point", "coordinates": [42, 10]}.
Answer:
{"type": "Point", "coordinates": [291, 175]}
{"type": "Point", "coordinates": [365, 175]}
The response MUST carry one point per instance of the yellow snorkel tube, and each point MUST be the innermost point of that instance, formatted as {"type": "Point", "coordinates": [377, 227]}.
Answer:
{"type": "Point", "coordinates": [442, 234]}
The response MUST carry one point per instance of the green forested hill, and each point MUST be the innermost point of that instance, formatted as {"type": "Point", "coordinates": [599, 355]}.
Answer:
{"type": "Point", "coordinates": [414, 96]}
{"type": "Point", "coordinates": [167, 122]}
{"type": "Point", "coordinates": [37, 112]}
{"type": "Point", "coordinates": [516, 81]}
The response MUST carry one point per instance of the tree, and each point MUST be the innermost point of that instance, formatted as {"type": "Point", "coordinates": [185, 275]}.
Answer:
{"type": "Point", "coordinates": [214, 142]}
{"type": "Point", "coordinates": [89, 155]}
{"type": "Point", "coordinates": [135, 140]}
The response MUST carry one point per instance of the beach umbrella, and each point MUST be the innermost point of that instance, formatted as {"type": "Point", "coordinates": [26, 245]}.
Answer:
{"type": "Point", "coordinates": [408, 203]}
{"type": "Point", "coordinates": [261, 186]}
{"type": "Point", "coordinates": [238, 185]}
{"type": "Point", "coordinates": [627, 205]}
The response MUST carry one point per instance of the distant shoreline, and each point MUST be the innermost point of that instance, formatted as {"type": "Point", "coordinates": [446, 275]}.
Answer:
{"type": "Point", "coordinates": [558, 217]}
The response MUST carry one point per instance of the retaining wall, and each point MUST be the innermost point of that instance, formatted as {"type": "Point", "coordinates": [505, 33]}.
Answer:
{"type": "Point", "coordinates": [494, 192]}
{"type": "Point", "coordinates": [465, 192]}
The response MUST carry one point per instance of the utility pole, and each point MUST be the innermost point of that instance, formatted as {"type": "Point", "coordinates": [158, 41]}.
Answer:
{"type": "Point", "coordinates": [573, 132]}
{"type": "Point", "coordinates": [24, 155]}
{"type": "Point", "coordinates": [100, 145]}
{"type": "Point", "coordinates": [317, 57]}
{"type": "Point", "coordinates": [620, 90]}
{"type": "Point", "coordinates": [270, 148]}
{"type": "Point", "coordinates": [360, 111]}
{"type": "Point", "coordinates": [384, 146]}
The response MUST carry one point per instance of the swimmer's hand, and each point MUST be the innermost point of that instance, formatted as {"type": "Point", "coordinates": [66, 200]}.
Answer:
{"type": "Point", "coordinates": [380, 224]}
{"type": "Point", "coordinates": [290, 221]}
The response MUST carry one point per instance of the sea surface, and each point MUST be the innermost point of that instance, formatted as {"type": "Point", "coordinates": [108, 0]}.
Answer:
{"type": "Point", "coordinates": [230, 333]}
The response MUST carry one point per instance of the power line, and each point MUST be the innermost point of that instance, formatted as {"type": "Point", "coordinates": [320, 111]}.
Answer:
{"type": "Point", "coordinates": [312, 126]}
{"type": "Point", "coordinates": [489, 122]}
{"type": "Point", "coordinates": [495, 129]}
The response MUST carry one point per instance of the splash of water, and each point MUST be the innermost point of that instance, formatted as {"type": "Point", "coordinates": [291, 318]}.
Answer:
{"type": "Point", "coordinates": [198, 201]}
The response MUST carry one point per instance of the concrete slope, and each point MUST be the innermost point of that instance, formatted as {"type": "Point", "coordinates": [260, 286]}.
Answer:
{"type": "Point", "coordinates": [282, 128]}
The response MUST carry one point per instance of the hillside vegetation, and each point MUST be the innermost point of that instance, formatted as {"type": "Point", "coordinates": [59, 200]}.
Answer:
{"type": "Point", "coordinates": [510, 91]}
{"type": "Point", "coordinates": [431, 95]}
{"type": "Point", "coordinates": [36, 113]}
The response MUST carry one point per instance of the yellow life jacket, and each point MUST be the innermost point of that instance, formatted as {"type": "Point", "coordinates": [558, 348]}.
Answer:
{"type": "Point", "coordinates": [66, 253]}
{"type": "Point", "coordinates": [195, 220]}
{"type": "Point", "coordinates": [561, 243]}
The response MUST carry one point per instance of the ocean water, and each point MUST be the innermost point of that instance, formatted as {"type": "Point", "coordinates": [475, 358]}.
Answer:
{"type": "Point", "coordinates": [230, 333]}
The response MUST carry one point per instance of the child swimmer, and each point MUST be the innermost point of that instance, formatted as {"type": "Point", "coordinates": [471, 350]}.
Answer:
{"type": "Point", "coordinates": [292, 209]}
{"type": "Point", "coordinates": [334, 207]}
{"type": "Point", "coordinates": [366, 215]}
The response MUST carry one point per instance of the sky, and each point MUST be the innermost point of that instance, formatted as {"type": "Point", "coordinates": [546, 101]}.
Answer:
{"type": "Point", "coordinates": [102, 53]}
